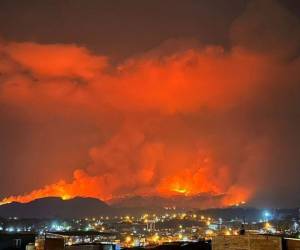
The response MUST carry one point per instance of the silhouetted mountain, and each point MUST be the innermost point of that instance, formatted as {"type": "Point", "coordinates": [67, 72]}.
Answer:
{"type": "Point", "coordinates": [200, 201]}
{"type": "Point", "coordinates": [52, 207]}
{"type": "Point", "coordinates": [137, 205]}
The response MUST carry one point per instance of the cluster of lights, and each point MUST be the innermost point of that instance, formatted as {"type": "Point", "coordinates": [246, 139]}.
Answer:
{"type": "Point", "coordinates": [141, 230]}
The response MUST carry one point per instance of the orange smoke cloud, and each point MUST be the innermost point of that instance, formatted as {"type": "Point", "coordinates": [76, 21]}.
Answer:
{"type": "Point", "coordinates": [187, 81]}
{"type": "Point", "coordinates": [164, 124]}
{"type": "Point", "coordinates": [56, 60]}
{"type": "Point", "coordinates": [153, 169]}
{"type": "Point", "coordinates": [136, 160]}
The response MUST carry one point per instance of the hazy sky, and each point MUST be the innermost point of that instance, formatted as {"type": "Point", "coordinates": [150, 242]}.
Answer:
{"type": "Point", "coordinates": [113, 98]}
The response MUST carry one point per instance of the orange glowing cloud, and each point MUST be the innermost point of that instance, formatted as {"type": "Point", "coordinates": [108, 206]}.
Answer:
{"type": "Point", "coordinates": [130, 161]}
{"type": "Point", "coordinates": [185, 81]}
{"type": "Point", "coordinates": [56, 60]}
{"type": "Point", "coordinates": [163, 124]}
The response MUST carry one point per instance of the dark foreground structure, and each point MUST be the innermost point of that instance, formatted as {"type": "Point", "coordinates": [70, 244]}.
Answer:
{"type": "Point", "coordinates": [15, 241]}
{"type": "Point", "coordinates": [200, 245]}
{"type": "Point", "coordinates": [78, 241]}
{"type": "Point", "coordinates": [254, 242]}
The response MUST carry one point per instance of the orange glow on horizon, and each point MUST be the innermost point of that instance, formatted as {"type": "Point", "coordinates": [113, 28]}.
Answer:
{"type": "Point", "coordinates": [68, 191]}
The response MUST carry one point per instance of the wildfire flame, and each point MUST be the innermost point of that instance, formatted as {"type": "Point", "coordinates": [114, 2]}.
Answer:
{"type": "Point", "coordinates": [86, 186]}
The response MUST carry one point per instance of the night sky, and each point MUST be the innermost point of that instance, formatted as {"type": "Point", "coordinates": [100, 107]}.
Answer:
{"type": "Point", "coordinates": [109, 99]}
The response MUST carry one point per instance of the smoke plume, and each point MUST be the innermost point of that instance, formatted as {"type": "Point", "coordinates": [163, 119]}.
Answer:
{"type": "Point", "coordinates": [181, 119]}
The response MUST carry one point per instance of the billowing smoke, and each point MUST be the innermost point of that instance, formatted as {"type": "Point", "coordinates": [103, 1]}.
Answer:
{"type": "Point", "coordinates": [179, 119]}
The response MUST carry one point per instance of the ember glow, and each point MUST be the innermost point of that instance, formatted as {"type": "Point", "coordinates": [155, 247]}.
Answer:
{"type": "Point", "coordinates": [197, 119]}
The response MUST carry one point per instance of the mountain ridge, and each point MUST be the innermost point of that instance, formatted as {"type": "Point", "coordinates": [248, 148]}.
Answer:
{"type": "Point", "coordinates": [54, 207]}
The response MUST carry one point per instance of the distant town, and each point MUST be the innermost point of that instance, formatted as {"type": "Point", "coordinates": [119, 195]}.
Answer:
{"type": "Point", "coordinates": [236, 227]}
